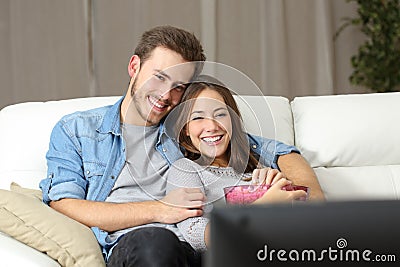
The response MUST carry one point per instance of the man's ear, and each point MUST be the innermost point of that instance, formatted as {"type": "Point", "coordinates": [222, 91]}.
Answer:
{"type": "Point", "coordinates": [134, 65]}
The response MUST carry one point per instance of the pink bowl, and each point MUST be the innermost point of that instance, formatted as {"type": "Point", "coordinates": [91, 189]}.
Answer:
{"type": "Point", "coordinates": [245, 194]}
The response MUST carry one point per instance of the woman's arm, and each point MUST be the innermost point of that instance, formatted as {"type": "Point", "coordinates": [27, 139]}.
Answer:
{"type": "Point", "coordinates": [185, 174]}
{"type": "Point", "coordinates": [276, 194]}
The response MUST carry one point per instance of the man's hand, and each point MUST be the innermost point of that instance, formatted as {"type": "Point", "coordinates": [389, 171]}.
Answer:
{"type": "Point", "coordinates": [180, 204]}
{"type": "Point", "coordinates": [185, 198]}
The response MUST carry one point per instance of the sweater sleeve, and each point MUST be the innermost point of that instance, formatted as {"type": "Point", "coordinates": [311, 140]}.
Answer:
{"type": "Point", "coordinates": [185, 173]}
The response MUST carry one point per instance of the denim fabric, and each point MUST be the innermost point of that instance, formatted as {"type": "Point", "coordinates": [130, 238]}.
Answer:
{"type": "Point", "coordinates": [269, 150]}
{"type": "Point", "coordinates": [84, 163]}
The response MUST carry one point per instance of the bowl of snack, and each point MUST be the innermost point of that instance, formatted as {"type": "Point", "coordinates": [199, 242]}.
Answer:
{"type": "Point", "coordinates": [246, 194]}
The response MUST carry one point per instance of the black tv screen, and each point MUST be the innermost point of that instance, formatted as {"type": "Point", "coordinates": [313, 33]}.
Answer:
{"type": "Point", "coordinates": [360, 233]}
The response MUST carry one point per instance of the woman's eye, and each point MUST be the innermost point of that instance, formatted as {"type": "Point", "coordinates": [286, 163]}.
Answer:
{"type": "Point", "coordinates": [220, 115]}
{"type": "Point", "coordinates": [160, 77]}
{"type": "Point", "coordinates": [196, 118]}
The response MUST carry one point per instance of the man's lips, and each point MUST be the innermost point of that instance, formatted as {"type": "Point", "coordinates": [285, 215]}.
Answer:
{"type": "Point", "coordinates": [159, 106]}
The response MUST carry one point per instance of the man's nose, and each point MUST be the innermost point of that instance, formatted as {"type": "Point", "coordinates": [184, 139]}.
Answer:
{"type": "Point", "coordinates": [165, 92]}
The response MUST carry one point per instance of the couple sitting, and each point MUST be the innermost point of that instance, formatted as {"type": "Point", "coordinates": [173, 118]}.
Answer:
{"type": "Point", "coordinates": [110, 168]}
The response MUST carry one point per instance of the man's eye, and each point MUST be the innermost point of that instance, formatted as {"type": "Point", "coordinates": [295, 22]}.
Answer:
{"type": "Point", "coordinates": [180, 88]}
{"type": "Point", "coordinates": [160, 77]}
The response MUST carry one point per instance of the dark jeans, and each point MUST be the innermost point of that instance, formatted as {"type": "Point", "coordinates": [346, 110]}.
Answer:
{"type": "Point", "coordinates": [153, 246]}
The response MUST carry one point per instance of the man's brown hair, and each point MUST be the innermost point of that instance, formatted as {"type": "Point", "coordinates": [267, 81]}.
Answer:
{"type": "Point", "coordinates": [181, 41]}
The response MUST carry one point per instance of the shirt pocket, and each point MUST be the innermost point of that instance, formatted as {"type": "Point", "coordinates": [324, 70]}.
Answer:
{"type": "Point", "coordinates": [93, 171]}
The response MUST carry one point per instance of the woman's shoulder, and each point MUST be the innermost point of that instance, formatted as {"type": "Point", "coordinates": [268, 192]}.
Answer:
{"type": "Point", "coordinates": [186, 164]}
{"type": "Point", "coordinates": [185, 173]}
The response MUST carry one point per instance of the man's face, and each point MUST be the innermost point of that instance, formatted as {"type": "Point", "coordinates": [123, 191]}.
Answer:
{"type": "Point", "coordinates": [158, 87]}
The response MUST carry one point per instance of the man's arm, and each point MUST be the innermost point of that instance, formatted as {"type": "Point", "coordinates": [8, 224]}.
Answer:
{"type": "Point", "coordinates": [178, 205]}
{"type": "Point", "coordinates": [297, 169]}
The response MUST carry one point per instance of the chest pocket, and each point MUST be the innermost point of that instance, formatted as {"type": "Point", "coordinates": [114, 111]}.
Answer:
{"type": "Point", "coordinates": [93, 171]}
{"type": "Point", "coordinates": [94, 175]}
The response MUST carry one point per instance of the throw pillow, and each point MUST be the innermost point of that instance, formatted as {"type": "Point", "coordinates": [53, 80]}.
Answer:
{"type": "Point", "coordinates": [26, 218]}
{"type": "Point", "coordinates": [26, 191]}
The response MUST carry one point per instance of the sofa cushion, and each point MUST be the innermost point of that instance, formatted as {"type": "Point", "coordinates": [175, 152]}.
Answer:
{"type": "Point", "coordinates": [268, 116]}
{"type": "Point", "coordinates": [25, 218]}
{"type": "Point", "coordinates": [348, 130]}
{"type": "Point", "coordinates": [360, 183]}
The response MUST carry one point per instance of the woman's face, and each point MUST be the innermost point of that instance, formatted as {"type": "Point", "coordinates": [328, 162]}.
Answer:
{"type": "Point", "coordinates": [210, 126]}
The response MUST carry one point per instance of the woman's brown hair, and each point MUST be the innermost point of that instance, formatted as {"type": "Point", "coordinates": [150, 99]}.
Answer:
{"type": "Point", "coordinates": [242, 159]}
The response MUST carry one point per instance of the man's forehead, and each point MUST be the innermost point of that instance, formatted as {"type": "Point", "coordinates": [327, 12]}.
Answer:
{"type": "Point", "coordinates": [180, 72]}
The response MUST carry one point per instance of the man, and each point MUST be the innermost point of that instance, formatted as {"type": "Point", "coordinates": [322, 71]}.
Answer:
{"type": "Point", "coordinates": [98, 160]}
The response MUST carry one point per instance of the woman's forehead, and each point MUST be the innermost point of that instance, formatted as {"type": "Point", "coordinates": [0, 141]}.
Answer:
{"type": "Point", "coordinates": [204, 103]}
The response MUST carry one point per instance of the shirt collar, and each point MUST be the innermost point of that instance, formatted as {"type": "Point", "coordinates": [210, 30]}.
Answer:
{"type": "Point", "coordinates": [112, 119]}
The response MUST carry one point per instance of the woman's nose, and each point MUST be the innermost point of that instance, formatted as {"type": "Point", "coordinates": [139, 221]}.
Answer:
{"type": "Point", "coordinates": [211, 124]}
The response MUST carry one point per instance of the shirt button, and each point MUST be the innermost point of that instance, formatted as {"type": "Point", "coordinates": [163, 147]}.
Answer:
{"type": "Point", "coordinates": [87, 172]}
{"type": "Point", "coordinates": [164, 150]}
{"type": "Point", "coordinates": [254, 146]}
{"type": "Point", "coordinates": [112, 177]}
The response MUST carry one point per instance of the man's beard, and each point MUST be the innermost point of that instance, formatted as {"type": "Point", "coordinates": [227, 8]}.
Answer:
{"type": "Point", "coordinates": [136, 102]}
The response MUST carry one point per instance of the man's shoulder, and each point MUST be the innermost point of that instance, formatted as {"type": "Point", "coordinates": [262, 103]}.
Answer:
{"type": "Point", "coordinates": [91, 118]}
{"type": "Point", "coordinates": [84, 114]}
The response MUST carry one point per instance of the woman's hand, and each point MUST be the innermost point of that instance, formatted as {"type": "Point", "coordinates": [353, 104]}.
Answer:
{"type": "Point", "coordinates": [266, 176]}
{"type": "Point", "coordinates": [277, 194]}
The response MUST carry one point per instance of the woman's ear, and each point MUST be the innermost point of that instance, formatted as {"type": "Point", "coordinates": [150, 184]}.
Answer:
{"type": "Point", "coordinates": [134, 66]}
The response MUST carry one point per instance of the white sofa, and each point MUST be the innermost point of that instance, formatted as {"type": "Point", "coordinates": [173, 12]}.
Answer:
{"type": "Point", "coordinates": [351, 141]}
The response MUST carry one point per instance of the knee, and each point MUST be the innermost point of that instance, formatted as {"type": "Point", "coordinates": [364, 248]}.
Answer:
{"type": "Point", "coordinates": [160, 247]}
{"type": "Point", "coordinates": [149, 246]}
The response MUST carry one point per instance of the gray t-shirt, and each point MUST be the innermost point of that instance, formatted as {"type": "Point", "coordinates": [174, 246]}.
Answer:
{"type": "Point", "coordinates": [143, 177]}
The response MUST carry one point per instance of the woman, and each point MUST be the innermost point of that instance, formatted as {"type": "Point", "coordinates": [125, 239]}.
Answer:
{"type": "Point", "coordinates": [217, 155]}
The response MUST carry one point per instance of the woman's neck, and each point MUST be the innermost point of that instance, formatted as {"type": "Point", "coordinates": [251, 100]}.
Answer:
{"type": "Point", "coordinates": [217, 162]}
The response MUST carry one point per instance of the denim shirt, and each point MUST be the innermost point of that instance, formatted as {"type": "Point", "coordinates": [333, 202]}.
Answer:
{"type": "Point", "coordinates": [84, 164]}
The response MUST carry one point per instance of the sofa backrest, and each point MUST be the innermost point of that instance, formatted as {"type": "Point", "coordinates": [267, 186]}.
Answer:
{"type": "Point", "coordinates": [25, 134]}
{"type": "Point", "coordinates": [348, 130]}
{"type": "Point", "coordinates": [26, 127]}
{"type": "Point", "coordinates": [352, 141]}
